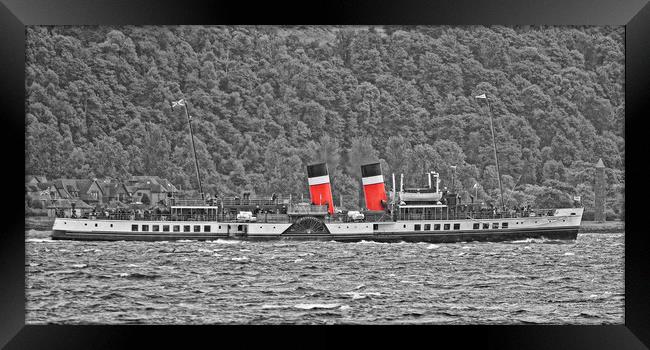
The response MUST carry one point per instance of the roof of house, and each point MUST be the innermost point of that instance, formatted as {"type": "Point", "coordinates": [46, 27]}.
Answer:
{"type": "Point", "coordinates": [75, 185]}
{"type": "Point", "coordinates": [66, 184]}
{"type": "Point", "coordinates": [152, 183]}
{"type": "Point", "coordinates": [112, 189]}
{"type": "Point", "coordinates": [39, 178]}
{"type": "Point", "coordinates": [44, 185]}
{"type": "Point", "coordinates": [31, 188]}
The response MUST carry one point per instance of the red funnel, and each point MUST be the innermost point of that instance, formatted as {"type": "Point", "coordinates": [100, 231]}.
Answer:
{"type": "Point", "coordinates": [373, 186]}
{"type": "Point", "coordinates": [319, 186]}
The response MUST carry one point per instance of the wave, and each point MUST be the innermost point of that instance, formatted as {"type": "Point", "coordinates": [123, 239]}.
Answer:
{"type": "Point", "coordinates": [225, 241]}
{"type": "Point", "coordinates": [137, 275]}
{"type": "Point", "coordinates": [316, 306]}
{"type": "Point", "coordinates": [243, 259]}
{"type": "Point", "coordinates": [39, 240]}
{"type": "Point", "coordinates": [361, 295]}
{"type": "Point", "coordinates": [363, 241]}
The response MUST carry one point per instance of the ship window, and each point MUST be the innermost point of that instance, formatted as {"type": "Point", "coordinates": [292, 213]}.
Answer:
{"type": "Point", "coordinates": [134, 227]}
{"type": "Point", "coordinates": [112, 225]}
{"type": "Point", "coordinates": [240, 227]}
{"type": "Point", "coordinates": [486, 226]}
{"type": "Point", "coordinates": [145, 227]}
{"type": "Point", "coordinates": [573, 213]}
{"type": "Point", "coordinates": [456, 226]}
{"type": "Point", "coordinates": [427, 227]}
{"type": "Point", "coordinates": [155, 228]}
{"type": "Point", "coordinates": [404, 226]}
{"type": "Point", "coordinates": [447, 226]}
{"type": "Point", "coordinates": [476, 226]}
{"type": "Point", "coordinates": [220, 227]}
{"type": "Point", "coordinates": [206, 228]}
{"type": "Point", "coordinates": [165, 228]}
{"type": "Point", "coordinates": [418, 227]}
{"type": "Point", "coordinates": [197, 228]}
{"type": "Point", "coordinates": [504, 225]}
{"type": "Point", "coordinates": [495, 225]}
{"type": "Point", "coordinates": [375, 227]}
{"type": "Point", "coordinates": [177, 228]}
{"type": "Point", "coordinates": [186, 228]}
{"type": "Point", "coordinates": [436, 227]}
{"type": "Point", "coordinates": [95, 225]}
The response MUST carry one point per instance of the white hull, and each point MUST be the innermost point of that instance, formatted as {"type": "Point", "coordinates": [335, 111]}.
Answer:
{"type": "Point", "coordinates": [564, 223]}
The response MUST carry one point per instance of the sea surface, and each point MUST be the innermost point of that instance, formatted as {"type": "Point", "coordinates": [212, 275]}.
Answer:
{"type": "Point", "coordinates": [231, 282]}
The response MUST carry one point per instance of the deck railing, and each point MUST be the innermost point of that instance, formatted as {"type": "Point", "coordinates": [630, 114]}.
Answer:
{"type": "Point", "coordinates": [308, 210]}
{"type": "Point", "coordinates": [455, 214]}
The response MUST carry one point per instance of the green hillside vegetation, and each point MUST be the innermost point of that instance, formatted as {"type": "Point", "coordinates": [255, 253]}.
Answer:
{"type": "Point", "coordinates": [267, 101]}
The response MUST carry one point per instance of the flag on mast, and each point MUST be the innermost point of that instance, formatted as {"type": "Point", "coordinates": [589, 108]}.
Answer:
{"type": "Point", "coordinates": [180, 102]}
{"type": "Point", "coordinates": [481, 96]}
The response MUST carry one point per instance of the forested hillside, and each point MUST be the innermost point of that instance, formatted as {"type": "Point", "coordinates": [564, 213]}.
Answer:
{"type": "Point", "coordinates": [266, 101]}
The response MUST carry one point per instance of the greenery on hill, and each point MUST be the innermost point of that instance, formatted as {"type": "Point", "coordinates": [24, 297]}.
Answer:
{"type": "Point", "coordinates": [267, 101]}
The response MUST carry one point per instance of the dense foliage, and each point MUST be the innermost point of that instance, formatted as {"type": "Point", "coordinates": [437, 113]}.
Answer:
{"type": "Point", "coordinates": [266, 101]}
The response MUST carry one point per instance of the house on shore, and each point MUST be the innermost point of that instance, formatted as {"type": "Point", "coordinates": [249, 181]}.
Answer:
{"type": "Point", "coordinates": [69, 208]}
{"type": "Point", "coordinates": [115, 190]}
{"type": "Point", "coordinates": [151, 189]}
{"type": "Point", "coordinates": [37, 195]}
{"type": "Point", "coordinates": [88, 191]}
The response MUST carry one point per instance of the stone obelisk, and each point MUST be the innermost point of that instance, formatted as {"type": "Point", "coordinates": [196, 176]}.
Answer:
{"type": "Point", "coordinates": [599, 192]}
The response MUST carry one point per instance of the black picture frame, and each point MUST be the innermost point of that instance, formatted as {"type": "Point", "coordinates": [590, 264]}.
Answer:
{"type": "Point", "coordinates": [634, 15]}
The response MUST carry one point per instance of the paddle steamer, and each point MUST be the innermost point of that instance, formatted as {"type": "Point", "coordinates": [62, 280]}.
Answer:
{"type": "Point", "coordinates": [423, 214]}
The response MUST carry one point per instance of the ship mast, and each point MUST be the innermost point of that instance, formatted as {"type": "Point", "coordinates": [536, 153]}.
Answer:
{"type": "Point", "coordinates": [183, 103]}
{"type": "Point", "coordinates": [494, 147]}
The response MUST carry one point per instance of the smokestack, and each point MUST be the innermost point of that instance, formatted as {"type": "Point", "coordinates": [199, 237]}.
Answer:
{"type": "Point", "coordinates": [320, 191]}
{"type": "Point", "coordinates": [373, 186]}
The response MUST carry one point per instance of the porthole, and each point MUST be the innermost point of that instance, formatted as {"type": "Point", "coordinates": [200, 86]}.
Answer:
{"type": "Point", "coordinates": [86, 224]}
{"type": "Point", "coordinates": [95, 225]}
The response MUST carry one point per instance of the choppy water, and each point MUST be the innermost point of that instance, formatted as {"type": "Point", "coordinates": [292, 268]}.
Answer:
{"type": "Point", "coordinates": [188, 282]}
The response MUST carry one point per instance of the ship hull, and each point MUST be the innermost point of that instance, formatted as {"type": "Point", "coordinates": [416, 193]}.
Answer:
{"type": "Point", "coordinates": [562, 226]}
{"type": "Point", "coordinates": [556, 233]}
{"type": "Point", "coordinates": [569, 233]}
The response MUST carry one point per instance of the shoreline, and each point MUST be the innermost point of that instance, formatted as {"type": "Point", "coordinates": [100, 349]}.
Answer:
{"type": "Point", "coordinates": [602, 227]}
